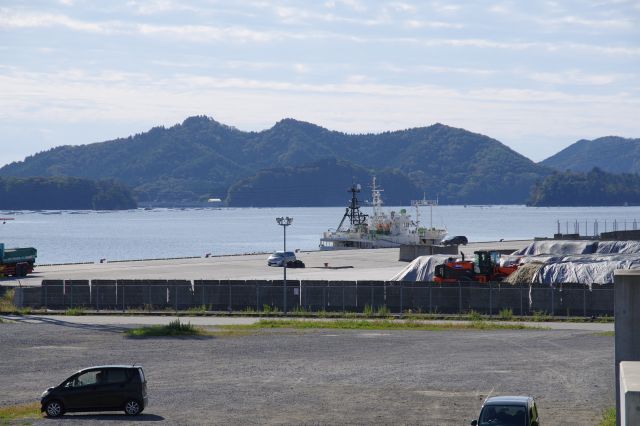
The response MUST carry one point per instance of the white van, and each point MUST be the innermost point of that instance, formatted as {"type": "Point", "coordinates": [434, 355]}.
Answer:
{"type": "Point", "coordinates": [279, 258]}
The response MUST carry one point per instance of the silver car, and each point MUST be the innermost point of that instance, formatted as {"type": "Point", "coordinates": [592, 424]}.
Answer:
{"type": "Point", "coordinates": [279, 258]}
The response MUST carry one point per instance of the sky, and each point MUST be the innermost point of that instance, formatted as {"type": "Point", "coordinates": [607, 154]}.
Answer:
{"type": "Point", "coordinates": [535, 75]}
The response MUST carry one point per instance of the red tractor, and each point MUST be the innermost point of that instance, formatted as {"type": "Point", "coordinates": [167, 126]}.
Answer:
{"type": "Point", "coordinates": [484, 268]}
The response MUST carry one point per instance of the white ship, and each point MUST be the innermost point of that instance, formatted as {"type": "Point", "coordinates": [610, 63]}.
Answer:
{"type": "Point", "coordinates": [380, 230]}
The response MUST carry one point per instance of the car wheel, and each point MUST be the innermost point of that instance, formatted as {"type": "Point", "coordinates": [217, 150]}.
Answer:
{"type": "Point", "coordinates": [132, 408]}
{"type": "Point", "coordinates": [54, 409]}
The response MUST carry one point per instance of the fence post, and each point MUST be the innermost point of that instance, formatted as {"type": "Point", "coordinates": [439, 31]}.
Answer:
{"type": "Point", "coordinates": [584, 300]}
{"type": "Point", "coordinates": [552, 299]}
{"type": "Point", "coordinates": [491, 298]}
{"type": "Point", "coordinates": [372, 299]}
{"type": "Point", "coordinates": [176, 293]}
{"type": "Point", "coordinates": [257, 298]}
{"type": "Point", "coordinates": [122, 298]}
{"type": "Point", "coordinates": [430, 296]}
{"type": "Point", "coordinates": [343, 299]}
{"type": "Point", "coordinates": [521, 307]}
{"type": "Point", "coordinates": [97, 296]}
{"type": "Point", "coordinates": [459, 298]}
{"type": "Point", "coordinates": [71, 295]}
{"type": "Point", "coordinates": [401, 304]}
{"type": "Point", "coordinates": [229, 306]}
{"type": "Point", "coordinates": [324, 298]}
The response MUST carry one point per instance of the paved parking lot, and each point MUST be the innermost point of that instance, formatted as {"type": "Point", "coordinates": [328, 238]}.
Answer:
{"type": "Point", "coordinates": [320, 376]}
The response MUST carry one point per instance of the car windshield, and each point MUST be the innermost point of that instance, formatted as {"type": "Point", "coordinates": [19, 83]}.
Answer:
{"type": "Point", "coordinates": [503, 415]}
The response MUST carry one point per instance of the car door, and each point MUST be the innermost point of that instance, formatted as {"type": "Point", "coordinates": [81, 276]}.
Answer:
{"type": "Point", "coordinates": [116, 388]}
{"type": "Point", "coordinates": [84, 391]}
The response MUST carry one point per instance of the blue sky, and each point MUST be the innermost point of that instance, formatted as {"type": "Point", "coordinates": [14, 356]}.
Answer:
{"type": "Point", "coordinates": [536, 75]}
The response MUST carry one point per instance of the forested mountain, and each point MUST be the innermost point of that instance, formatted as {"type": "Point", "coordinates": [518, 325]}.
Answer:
{"type": "Point", "coordinates": [595, 188]}
{"type": "Point", "coordinates": [611, 154]}
{"type": "Point", "coordinates": [202, 158]}
{"type": "Point", "coordinates": [322, 183]}
{"type": "Point", "coordinates": [63, 193]}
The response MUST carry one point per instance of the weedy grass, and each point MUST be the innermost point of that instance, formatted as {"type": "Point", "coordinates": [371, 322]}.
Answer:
{"type": "Point", "coordinates": [174, 329]}
{"type": "Point", "coordinates": [6, 302]}
{"type": "Point", "coordinates": [540, 316]}
{"type": "Point", "coordinates": [11, 413]}
{"type": "Point", "coordinates": [380, 324]}
{"type": "Point", "coordinates": [608, 417]}
{"type": "Point", "coordinates": [505, 314]}
{"type": "Point", "coordinates": [605, 333]}
{"type": "Point", "coordinates": [75, 311]}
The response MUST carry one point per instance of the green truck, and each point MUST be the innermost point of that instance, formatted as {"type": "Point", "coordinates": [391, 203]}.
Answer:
{"type": "Point", "coordinates": [17, 262]}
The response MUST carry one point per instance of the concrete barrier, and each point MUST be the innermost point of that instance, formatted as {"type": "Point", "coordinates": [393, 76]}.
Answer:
{"type": "Point", "coordinates": [131, 294]}
{"type": "Point", "coordinates": [31, 296]}
{"type": "Point", "coordinates": [627, 326]}
{"type": "Point", "coordinates": [181, 295]}
{"type": "Point", "coordinates": [629, 412]}
{"type": "Point", "coordinates": [104, 294]}
{"type": "Point", "coordinates": [53, 294]}
{"type": "Point", "coordinates": [77, 293]}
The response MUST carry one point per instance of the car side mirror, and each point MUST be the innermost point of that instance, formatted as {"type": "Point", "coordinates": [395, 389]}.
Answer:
{"type": "Point", "coordinates": [474, 423]}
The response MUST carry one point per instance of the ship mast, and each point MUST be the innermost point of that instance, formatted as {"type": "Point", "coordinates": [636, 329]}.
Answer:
{"type": "Point", "coordinates": [356, 217]}
{"type": "Point", "coordinates": [424, 202]}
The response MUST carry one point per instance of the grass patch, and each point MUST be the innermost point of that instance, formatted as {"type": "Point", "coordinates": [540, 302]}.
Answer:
{"type": "Point", "coordinates": [266, 309]}
{"type": "Point", "coordinates": [540, 316]}
{"type": "Point", "coordinates": [505, 314]}
{"type": "Point", "coordinates": [351, 324]}
{"type": "Point", "coordinates": [20, 411]}
{"type": "Point", "coordinates": [608, 417]}
{"type": "Point", "coordinates": [605, 333]}
{"type": "Point", "coordinates": [6, 302]}
{"type": "Point", "coordinates": [202, 309]}
{"type": "Point", "coordinates": [75, 312]}
{"type": "Point", "coordinates": [174, 328]}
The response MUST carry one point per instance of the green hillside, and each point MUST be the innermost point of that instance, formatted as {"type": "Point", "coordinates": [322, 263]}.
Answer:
{"type": "Point", "coordinates": [595, 188]}
{"type": "Point", "coordinates": [611, 154]}
{"type": "Point", "coordinates": [202, 158]}
{"type": "Point", "coordinates": [326, 180]}
{"type": "Point", "coordinates": [63, 193]}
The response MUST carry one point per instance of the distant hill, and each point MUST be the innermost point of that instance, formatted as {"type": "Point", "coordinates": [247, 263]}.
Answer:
{"type": "Point", "coordinates": [611, 154]}
{"type": "Point", "coordinates": [327, 180]}
{"type": "Point", "coordinates": [63, 193]}
{"type": "Point", "coordinates": [595, 188]}
{"type": "Point", "coordinates": [202, 158]}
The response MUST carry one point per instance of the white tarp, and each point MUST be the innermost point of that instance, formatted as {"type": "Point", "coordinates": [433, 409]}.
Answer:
{"type": "Point", "coordinates": [559, 247]}
{"type": "Point", "coordinates": [421, 268]}
{"type": "Point", "coordinates": [572, 268]}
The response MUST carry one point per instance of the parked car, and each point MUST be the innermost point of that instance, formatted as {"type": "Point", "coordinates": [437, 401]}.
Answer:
{"type": "Point", "coordinates": [278, 258]}
{"type": "Point", "coordinates": [508, 411]}
{"type": "Point", "coordinates": [100, 388]}
{"type": "Point", "coordinates": [457, 240]}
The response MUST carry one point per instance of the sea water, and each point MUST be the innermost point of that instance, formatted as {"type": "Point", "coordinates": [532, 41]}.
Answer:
{"type": "Point", "coordinates": [76, 236]}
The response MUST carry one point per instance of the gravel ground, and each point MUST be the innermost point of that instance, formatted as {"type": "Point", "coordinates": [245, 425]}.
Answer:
{"type": "Point", "coordinates": [320, 376]}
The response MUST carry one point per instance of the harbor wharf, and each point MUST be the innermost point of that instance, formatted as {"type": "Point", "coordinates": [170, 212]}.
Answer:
{"type": "Point", "coordinates": [361, 264]}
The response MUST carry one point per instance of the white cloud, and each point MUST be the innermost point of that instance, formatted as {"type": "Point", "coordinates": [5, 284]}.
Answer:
{"type": "Point", "coordinates": [576, 78]}
{"type": "Point", "coordinates": [590, 23]}
{"type": "Point", "coordinates": [414, 23]}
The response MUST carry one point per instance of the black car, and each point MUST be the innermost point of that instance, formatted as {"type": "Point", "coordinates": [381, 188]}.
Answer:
{"type": "Point", "coordinates": [457, 240]}
{"type": "Point", "coordinates": [100, 388]}
{"type": "Point", "coordinates": [508, 410]}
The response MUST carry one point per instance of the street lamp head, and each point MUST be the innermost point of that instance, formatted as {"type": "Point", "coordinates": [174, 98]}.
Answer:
{"type": "Point", "coordinates": [284, 221]}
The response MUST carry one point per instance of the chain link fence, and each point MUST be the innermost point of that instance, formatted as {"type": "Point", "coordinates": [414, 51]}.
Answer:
{"type": "Point", "coordinates": [316, 296]}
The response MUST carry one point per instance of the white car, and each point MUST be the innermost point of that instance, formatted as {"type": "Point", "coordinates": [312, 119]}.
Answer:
{"type": "Point", "coordinates": [279, 258]}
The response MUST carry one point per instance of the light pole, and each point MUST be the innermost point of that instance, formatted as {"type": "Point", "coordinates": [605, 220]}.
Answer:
{"type": "Point", "coordinates": [284, 222]}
